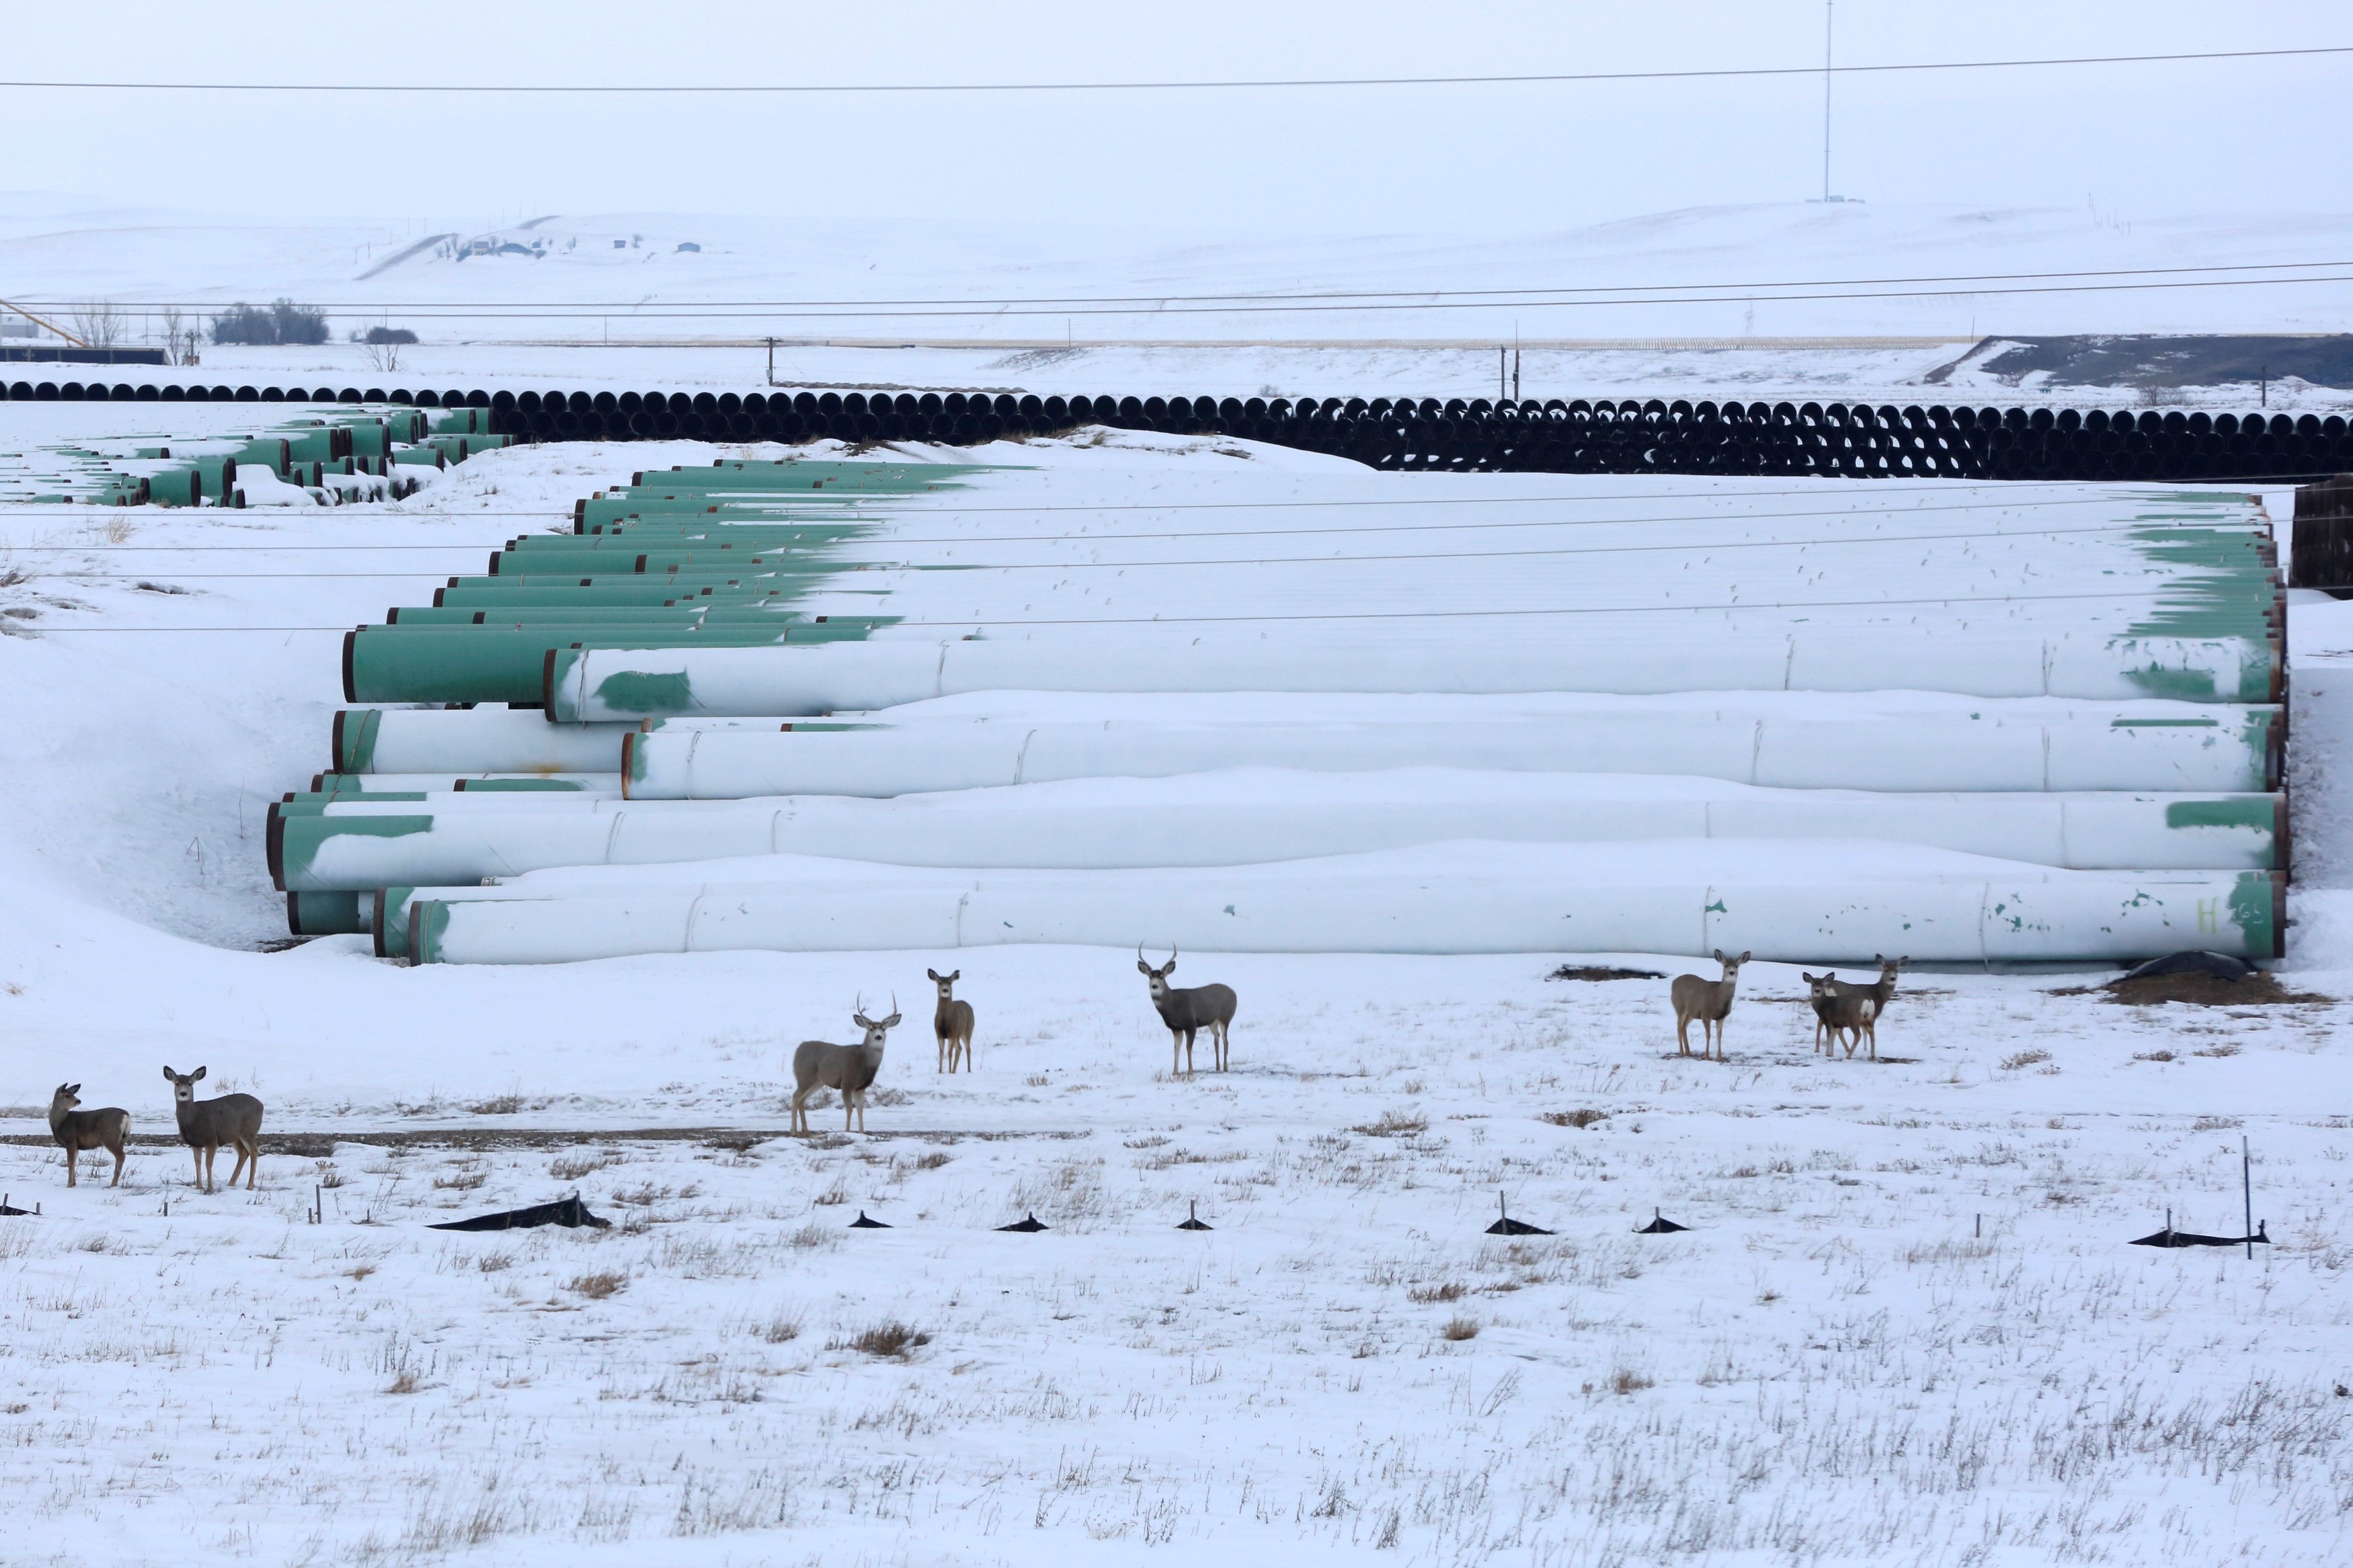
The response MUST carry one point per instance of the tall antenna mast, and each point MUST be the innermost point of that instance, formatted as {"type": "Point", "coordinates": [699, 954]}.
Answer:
{"type": "Point", "coordinates": [1829, 7]}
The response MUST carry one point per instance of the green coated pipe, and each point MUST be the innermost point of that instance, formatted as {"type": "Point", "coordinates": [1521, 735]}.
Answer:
{"type": "Point", "coordinates": [482, 593]}
{"type": "Point", "coordinates": [495, 664]}
{"type": "Point", "coordinates": [328, 914]}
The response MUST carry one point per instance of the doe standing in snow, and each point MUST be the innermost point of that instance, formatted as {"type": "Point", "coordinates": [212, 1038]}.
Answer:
{"type": "Point", "coordinates": [1708, 1001]}
{"type": "Point", "coordinates": [818, 1064]}
{"type": "Point", "coordinates": [951, 1022]}
{"type": "Point", "coordinates": [76, 1130]}
{"type": "Point", "coordinates": [206, 1124]}
{"type": "Point", "coordinates": [1187, 1012]}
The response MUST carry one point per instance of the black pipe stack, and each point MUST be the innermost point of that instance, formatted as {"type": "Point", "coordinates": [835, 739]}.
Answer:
{"type": "Point", "coordinates": [1457, 435]}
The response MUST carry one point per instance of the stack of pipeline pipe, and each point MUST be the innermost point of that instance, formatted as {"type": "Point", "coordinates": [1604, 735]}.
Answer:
{"type": "Point", "coordinates": [1629, 435]}
{"type": "Point", "coordinates": [846, 706]}
{"type": "Point", "coordinates": [337, 455]}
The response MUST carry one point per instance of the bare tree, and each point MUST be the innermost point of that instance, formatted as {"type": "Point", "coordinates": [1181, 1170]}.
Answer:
{"type": "Point", "coordinates": [382, 356]}
{"type": "Point", "coordinates": [96, 322]}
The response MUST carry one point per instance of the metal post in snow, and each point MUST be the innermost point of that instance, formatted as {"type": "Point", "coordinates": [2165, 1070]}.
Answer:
{"type": "Point", "coordinates": [2247, 1194]}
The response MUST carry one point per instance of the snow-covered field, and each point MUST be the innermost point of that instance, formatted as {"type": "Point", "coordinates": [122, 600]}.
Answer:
{"type": "Point", "coordinates": [1905, 1326]}
{"type": "Point", "coordinates": [1761, 302]}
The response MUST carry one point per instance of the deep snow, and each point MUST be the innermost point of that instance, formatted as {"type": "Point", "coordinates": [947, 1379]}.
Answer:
{"type": "Point", "coordinates": [1833, 1365]}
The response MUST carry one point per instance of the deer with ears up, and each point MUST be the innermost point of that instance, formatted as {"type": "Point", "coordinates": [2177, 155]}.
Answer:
{"type": "Point", "coordinates": [851, 1069]}
{"type": "Point", "coordinates": [951, 1022]}
{"type": "Point", "coordinates": [1186, 1012]}
{"type": "Point", "coordinates": [1707, 1001]}
{"type": "Point", "coordinates": [76, 1130]}
{"type": "Point", "coordinates": [206, 1124]}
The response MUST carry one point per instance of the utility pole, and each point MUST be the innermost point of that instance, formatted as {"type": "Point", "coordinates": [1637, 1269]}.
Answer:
{"type": "Point", "coordinates": [1828, 9]}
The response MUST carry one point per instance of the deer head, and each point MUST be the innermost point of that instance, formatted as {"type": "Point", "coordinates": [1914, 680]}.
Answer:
{"type": "Point", "coordinates": [1731, 965]}
{"type": "Point", "coordinates": [1888, 966]}
{"type": "Point", "coordinates": [184, 1084]}
{"type": "Point", "coordinates": [1156, 978]}
{"type": "Point", "coordinates": [875, 1031]}
{"type": "Point", "coordinates": [946, 983]}
{"type": "Point", "coordinates": [68, 1095]}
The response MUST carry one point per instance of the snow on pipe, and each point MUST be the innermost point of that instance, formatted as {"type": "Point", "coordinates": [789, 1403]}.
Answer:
{"type": "Point", "coordinates": [1261, 816]}
{"type": "Point", "coordinates": [469, 740]}
{"type": "Point", "coordinates": [592, 685]}
{"type": "Point", "coordinates": [1456, 898]}
{"type": "Point", "coordinates": [2226, 750]}
{"type": "Point", "coordinates": [344, 786]}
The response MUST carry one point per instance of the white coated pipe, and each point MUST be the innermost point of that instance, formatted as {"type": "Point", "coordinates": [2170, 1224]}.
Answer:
{"type": "Point", "coordinates": [2220, 749]}
{"type": "Point", "coordinates": [608, 684]}
{"type": "Point", "coordinates": [1257, 815]}
{"type": "Point", "coordinates": [1452, 898]}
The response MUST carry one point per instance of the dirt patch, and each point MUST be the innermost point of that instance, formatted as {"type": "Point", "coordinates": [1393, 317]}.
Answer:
{"type": "Point", "coordinates": [1601, 971]}
{"type": "Point", "coordinates": [2260, 990]}
{"type": "Point", "coordinates": [322, 1146]}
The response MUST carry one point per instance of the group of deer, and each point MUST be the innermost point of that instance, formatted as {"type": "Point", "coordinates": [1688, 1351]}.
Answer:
{"type": "Point", "coordinates": [206, 1125]}
{"type": "Point", "coordinates": [1842, 1010]}
{"type": "Point", "coordinates": [850, 1071]}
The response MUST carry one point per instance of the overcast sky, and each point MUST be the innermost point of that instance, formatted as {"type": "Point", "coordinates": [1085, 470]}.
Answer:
{"type": "Point", "coordinates": [2139, 140]}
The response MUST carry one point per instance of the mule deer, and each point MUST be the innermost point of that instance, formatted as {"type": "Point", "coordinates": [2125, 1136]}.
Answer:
{"type": "Point", "coordinates": [1187, 1012]}
{"type": "Point", "coordinates": [76, 1130]}
{"type": "Point", "coordinates": [951, 1022]}
{"type": "Point", "coordinates": [1871, 1001]}
{"type": "Point", "coordinates": [1708, 1001]}
{"type": "Point", "coordinates": [817, 1064]}
{"type": "Point", "coordinates": [206, 1124]}
{"type": "Point", "coordinates": [1840, 1011]}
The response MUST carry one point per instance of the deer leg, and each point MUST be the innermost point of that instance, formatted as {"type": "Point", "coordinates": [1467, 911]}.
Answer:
{"type": "Point", "coordinates": [73, 1159]}
{"type": "Point", "coordinates": [1217, 1039]}
{"type": "Point", "coordinates": [1683, 1035]}
{"type": "Point", "coordinates": [117, 1152]}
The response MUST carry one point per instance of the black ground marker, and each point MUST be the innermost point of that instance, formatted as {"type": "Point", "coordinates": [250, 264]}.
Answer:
{"type": "Point", "coordinates": [1027, 1225]}
{"type": "Point", "coordinates": [1192, 1220]}
{"type": "Point", "coordinates": [1506, 1225]}
{"type": "Point", "coordinates": [569, 1211]}
{"type": "Point", "coordinates": [1660, 1225]}
{"type": "Point", "coordinates": [862, 1223]}
{"type": "Point", "coordinates": [2170, 1236]}
{"type": "Point", "coordinates": [6, 1208]}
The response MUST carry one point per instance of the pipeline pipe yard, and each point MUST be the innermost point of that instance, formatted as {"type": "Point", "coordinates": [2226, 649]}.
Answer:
{"type": "Point", "coordinates": [504, 803]}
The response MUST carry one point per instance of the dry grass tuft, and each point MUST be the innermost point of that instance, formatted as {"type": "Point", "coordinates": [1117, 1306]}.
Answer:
{"type": "Point", "coordinates": [588, 1162]}
{"type": "Point", "coordinates": [933, 1161]}
{"type": "Point", "coordinates": [2024, 1059]}
{"type": "Point", "coordinates": [498, 1105]}
{"type": "Point", "coordinates": [1396, 1124]}
{"type": "Point", "coordinates": [1579, 1119]}
{"type": "Point", "coordinates": [893, 1340]}
{"type": "Point", "coordinates": [1460, 1328]}
{"type": "Point", "coordinates": [404, 1384]}
{"type": "Point", "coordinates": [1452, 1290]}
{"type": "Point", "coordinates": [598, 1287]}
{"type": "Point", "coordinates": [782, 1328]}
{"type": "Point", "coordinates": [1626, 1380]}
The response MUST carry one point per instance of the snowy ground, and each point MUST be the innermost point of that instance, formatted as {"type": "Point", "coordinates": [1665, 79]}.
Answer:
{"type": "Point", "coordinates": [1834, 1365]}
{"type": "Point", "coordinates": [1755, 301]}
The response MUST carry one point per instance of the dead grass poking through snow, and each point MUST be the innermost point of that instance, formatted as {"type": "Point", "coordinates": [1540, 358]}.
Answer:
{"type": "Point", "coordinates": [598, 1287]}
{"type": "Point", "coordinates": [1460, 1328]}
{"type": "Point", "coordinates": [893, 1341]}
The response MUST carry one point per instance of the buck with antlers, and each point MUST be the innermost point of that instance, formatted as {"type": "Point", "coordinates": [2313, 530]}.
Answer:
{"type": "Point", "coordinates": [1187, 1012]}
{"type": "Point", "coordinates": [818, 1064]}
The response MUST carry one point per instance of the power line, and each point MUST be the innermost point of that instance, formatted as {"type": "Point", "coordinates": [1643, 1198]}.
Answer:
{"type": "Point", "coordinates": [1058, 301]}
{"type": "Point", "coordinates": [1301, 305]}
{"type": "Point", "coordinates": [1231, 84]}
